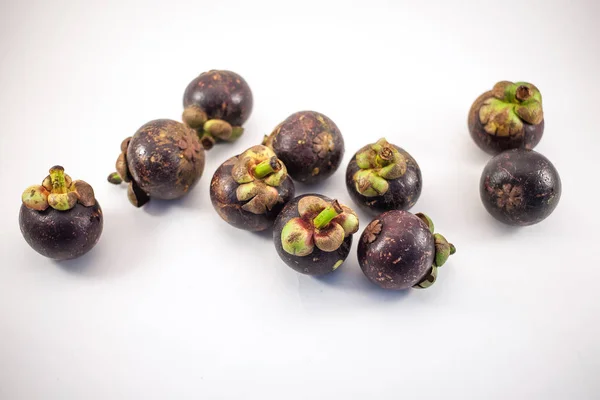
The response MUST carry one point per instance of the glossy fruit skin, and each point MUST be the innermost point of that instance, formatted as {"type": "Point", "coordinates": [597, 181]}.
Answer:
{"type": "Point", "coordinates": [493, 144]}
{"type": "Point", "coordinates": [297, 142]}
{"type": "Point", "coordinates": [62, 235]}
{"type": "Point", "coordinates": [401, 255]}
{"type": "Point", "coordinates": [222, 95]}
{"type": "Point", "coordinates": [223, 197]}
{"type": "Point", "coordinates": [402, 194]}
{"type": "Point", "coordinates": [520, 187]}
{"type": "Point", "coordinates": [161, 160]}
{"type": "Point", "coordinates": [318, 262]}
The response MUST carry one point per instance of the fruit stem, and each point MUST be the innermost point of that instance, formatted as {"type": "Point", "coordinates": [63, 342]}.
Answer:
{"type": "Point", "coordinates": [267, 167]}
{"type": "Point", "coordinates": [57, 177]}
{"type": "Point", "coordinates": [385, 156]}
{"type": "Point", "coordinates": [329, 213]}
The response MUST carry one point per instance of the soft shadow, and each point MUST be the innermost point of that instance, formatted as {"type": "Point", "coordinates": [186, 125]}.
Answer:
{"type": "Point", "coordinates": [157, 207]}
{"type": "Point", "coordinates": [470, 152]}
{"type": "Point", "coordinates": [351, 278]}
{"type": "Point", "coordinates": [265, 235]}
{"type": "Point", "coordinates": [86, 265]}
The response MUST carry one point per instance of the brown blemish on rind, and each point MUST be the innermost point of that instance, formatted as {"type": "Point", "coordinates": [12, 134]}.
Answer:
{"type": "Point", "coordinates": [371, 231]}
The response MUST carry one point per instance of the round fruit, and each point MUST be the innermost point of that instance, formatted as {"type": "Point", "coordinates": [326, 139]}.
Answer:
{"type": "Point", "coordinates": [520, 187]}
{"type": "Point", "coordinates": [382, 177]}
{"type": "Point", "coordinates": [163, 160]}
{"type": "Point", "coordinates": [309, 144]}
{"type": "Point", "coordinates": [313, 234]}
{"type": "Point", "coordinates": [248, 191]}
{"type": "Point", "coordinates": [216, 104]}
{"type": "Point", "coordinates": [398, 250]}
{"type": "Point", "coordinates": [509, 116]}
{"type": "Point", "coordinates": [60, 219]}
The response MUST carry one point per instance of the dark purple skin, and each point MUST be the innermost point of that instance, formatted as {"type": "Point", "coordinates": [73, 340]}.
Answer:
{"type": "Point", "coordinates": [520, 187]}
{"type": "Point", "coordinates": [223, 197]}
{"type": "Point", "coordinates": [159, 164]}
{"type": "Point", "coordinates": [493, 144]}
{"type": "Point", "coordinates": [318, 262]}
{"type": "Point", "coordinates": [402, 194]}
{"type": "Point", "coordinates": [297, 141]}
{"type": "Point", "coordinates": [222, 95]}
{"type": "Point", "coordinates": [401, 254]}
{"type": "Point", "coordinates": [62, 235]}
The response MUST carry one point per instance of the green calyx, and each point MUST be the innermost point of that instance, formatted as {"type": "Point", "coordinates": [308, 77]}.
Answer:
{"type": "Point", "coordinates": [511, 105]}
{"type": "Point", "coordinates": [122, 173]}
{"type": "Point", "coordinates": [378, 163]}
{"type": "Point", "coordinates": [443, 250]}
{"type": "Point", "coordinates": [320, 224]}
{"type": "Point", "coordinates": [258, 173]}
{"type": "Point", "coordinates": [210, 130]}
{"type": "Point", "coordinates": [59, 192]}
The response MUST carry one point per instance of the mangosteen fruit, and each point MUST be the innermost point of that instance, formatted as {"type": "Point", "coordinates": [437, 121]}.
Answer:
{"type": "Point", "coordinates": [249, 190]}
{"type": "Point", "coordinates": [399, 250]}
{"type": "Point", "coordinates": [216, 104]}
{"type": "Point", "coordinates": [313, 234]}
{"type": "Point", "coordinates": [382, 177]}
{"type": "Point", "coordinates": [164, 159]}
{"type": "Point", "coordinates": [309, 144]}
{"type": "Point", "coordinates": [520, 187]}
{"type": "Point", "coordinates": [60, 219]}
{"type": "Point", "coordinates": [510, 116]}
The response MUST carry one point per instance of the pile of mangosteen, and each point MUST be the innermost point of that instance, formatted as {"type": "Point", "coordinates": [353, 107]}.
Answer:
{"type": "Point", "coordinates": [312, 233]}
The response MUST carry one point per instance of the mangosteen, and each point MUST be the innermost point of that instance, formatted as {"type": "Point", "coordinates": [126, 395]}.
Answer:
{"type": "Point", "coordinates": [216, 104]}
{"type": "Point", "coordinates": [60, 219]}
{"type": "Point", "coordinates": [164, 159]}
{"type": "Point", "coordinates": [248, 191]}
{"type": "Point", "coordinates": [509, 116]}
{"type": "Point", "coordinates": [382, 177]}
{"type": "Point", "coordinates": [399, 250]}
{"type": "Point", "coordinates": [309, 144]}
{"type": "Point", "coordinates": [313, 234]}
{"type": "Point", "coordinates": [520, 187]}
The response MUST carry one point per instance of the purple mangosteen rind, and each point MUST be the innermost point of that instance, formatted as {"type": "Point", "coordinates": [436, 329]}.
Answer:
{"type": "Point", "coordinates": [248, 191]}
{"type": "Point", "coordinates": [309, 144]}
{"type": "Point", "coordinates": [216, 104]}
{"type": "Point", "coordinates": [372, 186]}
{"type": "Point", "coordinates": [399, 250]}
{"type": "Point", "coordinates": [60, 218]}
{"type": "Point", "coordinates": [313, 234]}
{"type": "Point", "coordinates": [163, 159]}
{"type": "Point", "coordinates": [507, 117]}
{"type": "Point", "coordinates": [520, 187]}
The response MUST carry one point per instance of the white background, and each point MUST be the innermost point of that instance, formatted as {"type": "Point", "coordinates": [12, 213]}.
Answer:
{"type": "Point", "coordinates": [175, 303]}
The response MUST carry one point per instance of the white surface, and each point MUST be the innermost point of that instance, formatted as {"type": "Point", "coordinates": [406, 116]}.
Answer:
{"type": "Point", "coordinates": [174, 303]}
